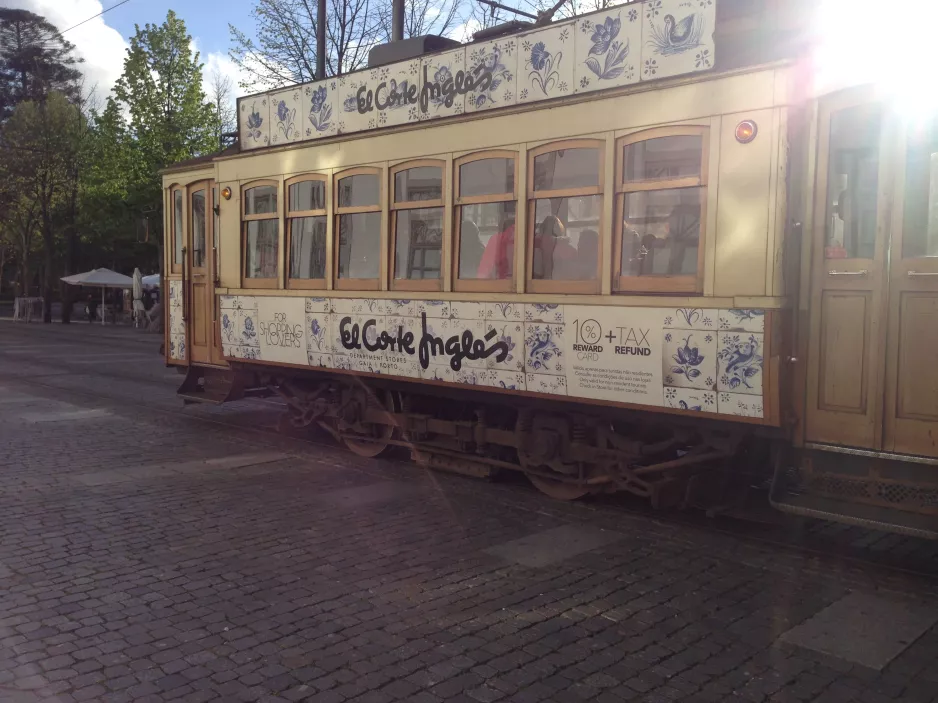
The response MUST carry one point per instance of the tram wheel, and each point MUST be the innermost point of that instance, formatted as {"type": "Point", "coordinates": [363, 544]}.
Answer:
{"type": "Point", "coordinates": [377, 438]}
{"type": "Point", "coordinates": [558, 490]}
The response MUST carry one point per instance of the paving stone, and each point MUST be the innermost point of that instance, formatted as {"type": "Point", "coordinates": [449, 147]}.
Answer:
{"type": "Point", "coordinates": [865, 628]}
{"type": "Point", "coordinates": [150, 552]}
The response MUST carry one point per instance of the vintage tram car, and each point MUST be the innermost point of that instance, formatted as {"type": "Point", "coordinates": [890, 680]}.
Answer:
{"type": "Point", "coordinates": [629, 250]}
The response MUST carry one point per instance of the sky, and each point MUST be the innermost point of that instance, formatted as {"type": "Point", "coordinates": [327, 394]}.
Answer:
{"type": "Point", "coordinates": [103, 41]}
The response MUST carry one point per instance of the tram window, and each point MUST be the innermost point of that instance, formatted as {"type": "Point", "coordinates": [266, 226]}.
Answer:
{"type": "Point", "coordinates": [306, 232]}
{"type": "Point", "coordinates": [664, 158]}
{"type": "Point", "coordinates": [661, 196]}
{"type": "Point", "coordinates": [417, 225]}
{"type": "Point", "coordinates": [920, 219]}
{"type": "Point", "coordinates": [260, 200]}
{"type": "Point", "coordinates": [358, 229]}
{"type": "Point", "coordinates": [661, 232]}
{"type": "Point", "coordinates": [486, 203]}
{"type": "Point", "coordinates": [566, 238]}
{"type": "Point", "coordinates": [178, 232]}
{"type": "Point", "coordinates": [261, 236]}
{"type": "Point", "coordinates": [565, 192]}
{"type": "Point", "coordinates": [852, 183]}
{"type": "Point", "coordinates": [198, 229]}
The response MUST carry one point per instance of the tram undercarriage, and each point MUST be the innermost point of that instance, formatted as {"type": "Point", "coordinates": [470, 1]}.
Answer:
{"type": "Point", "coordinates": [566, 453]}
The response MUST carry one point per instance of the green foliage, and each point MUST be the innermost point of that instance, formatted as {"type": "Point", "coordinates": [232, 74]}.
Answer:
{"type": "Point", "coordinates": [170, 119]}
{"type": "Point", "coordinates": [35, 60]}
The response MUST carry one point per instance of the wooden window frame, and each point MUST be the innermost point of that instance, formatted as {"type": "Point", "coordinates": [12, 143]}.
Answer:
{"type": "Point", "coordinates": [290, 215]}
{"type": "Point", "coordinates": [192, 189]}
{"type": "Point", "coordinates": [481, 285]}
{"type": "Point", "coordinates": [258, 282]}
{"type": "Point", "coordinates": [664, 283]}
{"type": "Point", "coordinates": [362, 284]}
{"type": "Point", "coordinates": [413, 284]}
{"type": "Point", "coordinates": [550, 286]}
{"type": "Point", "coordinates": [173, 189]}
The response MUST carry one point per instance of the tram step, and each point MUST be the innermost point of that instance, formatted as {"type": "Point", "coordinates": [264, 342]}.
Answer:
{"type": "Point", "coordinates": [206, 384]}
{"type": "Point", "coordinates": [868, 516]}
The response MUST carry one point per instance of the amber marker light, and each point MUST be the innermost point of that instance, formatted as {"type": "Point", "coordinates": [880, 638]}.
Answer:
{"type": "Point", "coordinates": [226, 193]}
{"type": "Point", "coordinates": [746, 131]}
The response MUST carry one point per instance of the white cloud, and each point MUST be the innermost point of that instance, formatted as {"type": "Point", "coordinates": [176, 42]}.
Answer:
{"type": "Point", "coordinates": [221, 63]}
{"type": "Point", "coordinates": [463, 32]}
{"type": "Point", "coordinates": [102, 48]}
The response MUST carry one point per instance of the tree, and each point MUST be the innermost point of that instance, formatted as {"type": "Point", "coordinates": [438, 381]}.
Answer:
{"type": "Point", "coordinates": [170, 119]}
{"type": "Point", "coordinates": [221, 96]}
{"type": "Point", "coordinates": [285, 50]}
{"type": "Point", "coordinates": [421, 17]}
{"type": "Point", "coordinates": [35, 60]}
{"type": "Point", "coordinates": [41, 140]}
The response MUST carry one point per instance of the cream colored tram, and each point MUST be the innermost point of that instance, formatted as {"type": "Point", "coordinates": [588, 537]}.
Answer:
{"type": "Point", "coordinates": [626, 251]}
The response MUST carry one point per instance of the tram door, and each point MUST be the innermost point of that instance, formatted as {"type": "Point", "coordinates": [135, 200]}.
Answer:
{"type": "Point", "coordinates": [912, 351]}
{"type": "Point", "coordinates": [873, 364]}
{"type": "Point", "coordinates": [199, 281]}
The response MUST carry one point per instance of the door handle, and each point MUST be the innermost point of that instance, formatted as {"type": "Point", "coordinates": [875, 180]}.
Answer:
{"type": "Point", "coordinates": [861, 272]}
{"type": "Point", "coordinates": [913, 274]}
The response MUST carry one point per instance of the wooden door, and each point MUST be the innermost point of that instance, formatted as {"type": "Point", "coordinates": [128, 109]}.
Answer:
{"type": "Point", "coordinates": [846, 354]}
{"type": "Point", "coordinates": [912, 356]}
{"type": "Point", "coordinates": [200, 283]}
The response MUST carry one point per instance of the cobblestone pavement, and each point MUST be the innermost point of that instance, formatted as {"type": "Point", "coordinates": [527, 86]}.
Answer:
{"type": "Point", "coordinates": [154, 553]}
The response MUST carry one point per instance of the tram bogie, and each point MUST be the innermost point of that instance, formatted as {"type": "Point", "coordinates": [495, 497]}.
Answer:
{"type": "Point", "coordinates": [674, 280]}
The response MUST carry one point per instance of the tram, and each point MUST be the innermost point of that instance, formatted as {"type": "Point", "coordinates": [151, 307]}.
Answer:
{"type": "Point", "coordinates": [637, 250]}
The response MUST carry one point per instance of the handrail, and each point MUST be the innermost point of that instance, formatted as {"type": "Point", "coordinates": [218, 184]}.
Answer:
{"type": "Point", "coordinates": [185, 311]}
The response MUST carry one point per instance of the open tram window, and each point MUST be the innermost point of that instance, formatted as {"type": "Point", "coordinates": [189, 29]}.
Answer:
{"type": "Point", "coordinates": [306, 231]}
{"type": "Point", "coordinates": [565, 185]}
{"type": "Point", "coordinates": [486, 201]}
{"type": "Point", "coordinates": [853, 174]}
{"type": "Point", "coordinates": [358, 229]}
{"type": "Point", "coordinates": [179, 234]}
{"type": "Point", "coordinates": [260, 234]}
{"type": "Point", "coordinates": [661, 197]}
{"type": "Point", "coordinates": [417, 225]}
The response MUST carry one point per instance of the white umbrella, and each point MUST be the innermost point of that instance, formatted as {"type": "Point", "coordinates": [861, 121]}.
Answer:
{"type": "Point", "coordinates": [151, 281]}
{"type": "Point", "coordinates": [138, 285]}
{"type": "Point", "coordinates": [138, 297]}
{"type": "Point", "coordinates": [100, 278]}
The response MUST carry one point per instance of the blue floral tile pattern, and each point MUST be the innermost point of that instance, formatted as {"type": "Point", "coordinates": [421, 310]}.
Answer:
{"type": "Point", "coordinates": [545, 64]}
{"type": "Point", "coordinates": [349, 119]}
{"type": "Point", "coordinates": [740, 405]}
{"type": "Point", "coordinates": [320, 116]}
{"type": "Point", "coordinates": [690, 360]}
{"type": "Point", "coordinates": [740, 359]}
{"type": "Point", "coordinates": [690, 399]}
{"type": "Point", "coordinates": [677, 38]}
{"type": "Point", "coordinates": [511, 334]}
{"type": "Point", "coordinates": [286, 121]}
{"type": "Point", "coordinates": [254, 121]}
{"type": "Point", "coordinates": [608, 49]}
{"type": "Point", "coordinates": [742, 320]}
{"type": "Point", "coordinates": [504, 311]}
{"type": "Point", "coordinates": [692, 318]}
{"type": "Point", "coordinates": [442, 70]}
{"type": "Point", "coordinates": [544, 348]}
{"type": "Point", "coordinates": [500, 58]}
{"type": "Point", "coordinates": [399, 79]}
{"type": "Point", "coordinates": [544, 383]}
{"type": "Point", "coordinates": [543, 312]}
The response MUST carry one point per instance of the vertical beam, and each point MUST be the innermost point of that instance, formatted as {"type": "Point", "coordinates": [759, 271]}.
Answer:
{"type": "Point", "coordinates": [397, 20]}
{"type": "Point", "coordinates": [321, 41]}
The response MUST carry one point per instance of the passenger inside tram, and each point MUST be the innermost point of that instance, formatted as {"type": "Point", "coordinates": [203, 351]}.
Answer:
{"type": "Point", "coordinates": [498, 257]}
